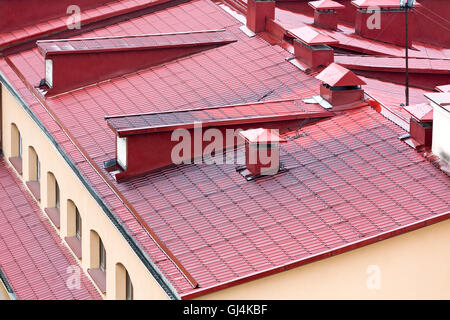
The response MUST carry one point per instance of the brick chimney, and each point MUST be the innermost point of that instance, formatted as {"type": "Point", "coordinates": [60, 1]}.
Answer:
{"type": "Point", "coordinates": [311, 47]}
{"type": "Point", "coordinates": [383, 20]}
{"type": "Point", "coordinates": [73, 63]}
{"type": "Point", "coordinates": [258, 12]}
{"type": "Point", "coordinates": [340, 86]}
{"type": "Point", "coordinates": [262, 152]}
{"type": "Point", "coordinates": [325, 13]}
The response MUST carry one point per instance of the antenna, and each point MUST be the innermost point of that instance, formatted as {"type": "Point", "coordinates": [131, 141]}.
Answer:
{"type": "Point", "coordinates": [407, 4]}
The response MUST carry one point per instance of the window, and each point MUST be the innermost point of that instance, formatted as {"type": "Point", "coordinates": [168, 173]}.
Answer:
{"type": "Point", "coordinates": [102, 256]}
{"type": "Point", "coordinates": [129, 287]}
{"type": "Point", "coordinates": [57, 196]}
{"type": "Point", "coordinates": [53, 200]}
{"type": "Point", "coordinates": [77, 224]}
{"type": "Point", "coordinates": [34, 175]}
{"type": "Point", "coordinates": [16, 149]}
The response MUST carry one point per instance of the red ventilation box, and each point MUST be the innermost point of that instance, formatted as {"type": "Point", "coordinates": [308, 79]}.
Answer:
{"type": "Point", "coordinates": [325, 13]}
{"type": "Point", "coordinates": [311, 47]}
{"type": "Point", "coordinates": [258, 12]}
{"type": "Point", "coordinates": [421, 123]}
{"type": "Point", "coordinates": [262, 151]}
{"type": "Point", "coordinates": [340, 86]}
{"type": "Point", "coordinates": [383, 20]}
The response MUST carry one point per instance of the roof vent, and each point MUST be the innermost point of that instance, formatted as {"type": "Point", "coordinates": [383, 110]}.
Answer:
{"type": "Point", "coordinates": [258, 12]}
{"type": "Point", "coordinates": [73, 63]}
{"type": "Point", "coordinates": [262, 153]}
{"type": "Point", "coordinates": [325, 13]}
{"type": "Point", "coordinates": [383, 20]}
{"type": "Point", "coordinates": [340, 87]}
{"type": "Point", "coordinates": [311, 47]}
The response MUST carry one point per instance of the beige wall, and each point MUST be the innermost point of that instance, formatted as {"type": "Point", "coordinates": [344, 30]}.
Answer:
{"type": "Point", "coordinates": [94, 218]}
{"type": "Point", "coordinates": [3, 293]}
{"type": "Point", "coordinates": [441, 133]}
{"type": "Point", "coordinates": [415, 265]}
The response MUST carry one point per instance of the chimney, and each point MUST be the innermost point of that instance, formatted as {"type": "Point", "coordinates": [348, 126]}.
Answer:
{"type": "Point", "coordinates": [440, 103]}
{"type": "Point", "coordinates": [262, 152]}
{"type": "Point", "coordinates": [421, 124]}
{"type": "Point", "coordinates": [340, 86]}
{"type": "Point", "coordinates": [17, 14]}
{"type": "Point", "coordinates": [383, 20]}
{"type": "Point", "coordinates": [325, 13]}
{"type": "Point", "coordinates": [258, 12]}
{"type": "Point", "coordinates": [73, 63]}
{"type": "Point", "coordinates": [311, 47]}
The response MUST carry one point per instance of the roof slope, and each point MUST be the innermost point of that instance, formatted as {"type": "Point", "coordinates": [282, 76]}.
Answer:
{"type": "Point", "coordinates": [348, 178]}
{"type": "Point", "coordinates": [31, 254]}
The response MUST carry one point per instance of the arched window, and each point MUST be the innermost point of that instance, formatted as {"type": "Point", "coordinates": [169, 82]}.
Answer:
{"type": "Point", "coordinates": [16, 149]}
{"type": "Point", "coordinates": [124, 285]}
{"type": "Point", "coordinates": [98, 261]}
{"type": "Point", "coordinates": [34, 172]}
{"type": "Point", "coordinates": [53, 200]}
{"type": "Point", "coordinates": [74, 229]}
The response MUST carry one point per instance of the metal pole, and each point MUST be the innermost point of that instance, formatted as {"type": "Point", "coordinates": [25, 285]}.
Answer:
{"type": "Point", "coordinates": [406, 56]}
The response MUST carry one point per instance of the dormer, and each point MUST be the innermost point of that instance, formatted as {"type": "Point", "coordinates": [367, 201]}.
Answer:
{"type": "Point", "coordinates": [74, 63]}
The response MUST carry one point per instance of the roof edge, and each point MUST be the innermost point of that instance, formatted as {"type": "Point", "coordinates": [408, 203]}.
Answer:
{"type": "Point", "coordinates": [7, 285]}
{"type": "Point", "coordinates": [342, 249]}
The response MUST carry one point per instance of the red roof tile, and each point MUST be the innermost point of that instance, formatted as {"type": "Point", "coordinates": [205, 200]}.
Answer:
{"type": "Point", "coordinates": [336, 76]}
{"type": "Point", "coordinates": [348, 178]}
{"type": "Point", "coordinates": [32, 257]}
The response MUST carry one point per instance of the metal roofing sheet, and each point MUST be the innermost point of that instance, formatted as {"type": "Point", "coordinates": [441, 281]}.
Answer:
{"type": "Point", "coordinates": [337, 76]}
{"type": "Point", "coordinates": [326, 5]}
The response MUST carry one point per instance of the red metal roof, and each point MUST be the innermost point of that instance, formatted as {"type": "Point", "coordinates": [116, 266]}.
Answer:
{"type": "Point", "coordinates": [311, 36]}
{"type": "Point", "coordinates": [348, 180]}
{"type": "Point", "coordinates": [326, 5]}
{"type": "Point", "coordinates": [215, 116]}
{"type": "Point", "coordinates": [137, 42]}
{"type": "Point", "coordinates": [394, 64]}
{"type": "Point", "coordinates": [422, 112]}
{"type": "Point", "coordinates": [31, 254]}
{"type": "Point", "coordinates": [336, 76]}
{"type": "Point", "coordinates": [261, 135]}
{"type": "Point", "coordinates": [364, 4]}
{"type": "Point", "coordinates": [441, 98]}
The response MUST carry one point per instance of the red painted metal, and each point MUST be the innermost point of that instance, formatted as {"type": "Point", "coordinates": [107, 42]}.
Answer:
{"type": "Point", "coordinates": [32, 256]}
{"type": "Point", "coordinates": [341, 97]}
{"type": "Point", "coordinates": [325, 5]}
{"type": "Point", "coordinates": [422, 132]}
{"type": "Point", "coordinates": [423, 112]}
{"type": "Point", "coordinates": [258, 12]}
{"type": "Point", "coordinates": [81, 62]}
{"type": "Point", "coordinates": [326, 19]}
{"type": "Point", "coordinates": [392, 27]}
{"type": "Point", "coordinates": [311, 36]}
{"type": "Point", "coordinates": [443, 88]}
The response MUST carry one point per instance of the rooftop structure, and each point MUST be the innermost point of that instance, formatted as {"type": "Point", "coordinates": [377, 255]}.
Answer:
{"type": "Point", "coordinates": [87, 177]}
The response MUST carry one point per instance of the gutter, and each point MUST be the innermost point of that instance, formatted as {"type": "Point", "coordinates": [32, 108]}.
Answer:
{"type": "Point", "coordinates": [8, 287]}
{"type": "Point", "coordinates": [152, 268]}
